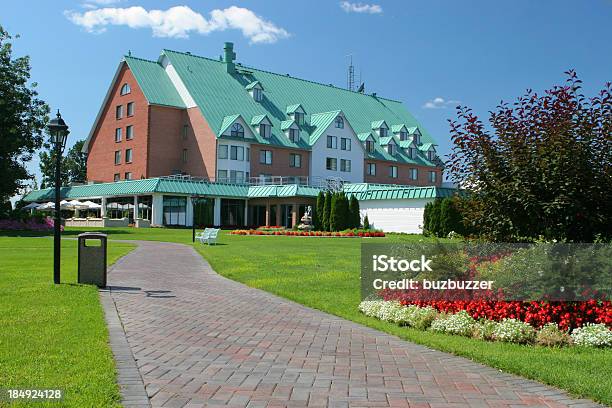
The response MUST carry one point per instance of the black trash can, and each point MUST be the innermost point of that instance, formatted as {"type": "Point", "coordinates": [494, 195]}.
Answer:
{"type": "Point", "coordinates": [92, 259]}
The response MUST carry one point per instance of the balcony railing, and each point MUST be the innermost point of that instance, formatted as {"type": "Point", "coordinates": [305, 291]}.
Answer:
{"type": "Point", "coordinates": [320, 182]}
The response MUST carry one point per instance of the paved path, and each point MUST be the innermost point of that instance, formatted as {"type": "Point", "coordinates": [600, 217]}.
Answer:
{"type": "Point", "coordinates": [199, 339]}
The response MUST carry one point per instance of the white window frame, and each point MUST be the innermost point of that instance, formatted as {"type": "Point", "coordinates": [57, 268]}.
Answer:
{"type": "Point", "coordinates": [414, 174]}
{"type": "Point", "coordinates": [339, 122]}
{"type": "Point", "coordinates": [264, 130]}
{"type": "Point", "coordinates": [236, 129]}
{"type": "Point", "coordinates": [223, 152]}
{"type": "Point", "coordinates": [294, 135]}
{"type": "Point", "coordinates": [119, 112]}
{"type": "Point", "coordinates": [265, 157]}
{"type": "Point", "coordinates": [125, 89]}
{"type": "Point", "coordinates": [345, 165]}
{"type": "Point", "coordinates": [221, 178]}
{"type": "Point", "coordinates": [295, 160]}
{"type": "Point", "coordinates": [369, 146]}
{"type": "Point", "coordinates": [128, 175]}
{"type": "Point", "coordinates": [298, 117]}
{"type": "Point", "coordinates": [371, 169]}
{"type": "Point", "coordinates": [118, 134]}
{"type": "Point", "coordinates": [393, 171]}
{"type": "Point", "coordinates": [116, 177]}
{"type": "Point", "coordinates": [383, 131]}
{"type": "Point", "coordinates": [257, 94]}
{"type": "Point", "coordinates": [130, 109]}
{"type": "Point", "coordinates": [391, 149]}
{"type": "Point", "coordinates": [129, 132]}
{"type": "Point", "coordinates": [236, 153]}
{"type": "Point", "coordinates": [128, 155]}
{"type": "Point", "coordinates": [117, 157]}
{"type": "Point", "coordinates": [332, 142]}
{"type": "Point", "coordinates": [403, 135]}
{"type": "Point", "coordinates": [331, 164]}
{"type": "Point", "coordinates": [345, 144]}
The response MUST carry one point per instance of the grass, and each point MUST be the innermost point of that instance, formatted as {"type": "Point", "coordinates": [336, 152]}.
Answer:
{"type": "Point", "coordinates": [324, 274]}
{"type": "Point", "coordinates": [53, 336]}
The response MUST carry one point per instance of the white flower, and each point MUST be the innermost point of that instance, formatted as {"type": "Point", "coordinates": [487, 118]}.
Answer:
{"type": "Point", "coordinates": [593, 335]}
{"type": "Point", "coordinates": [460, 323]}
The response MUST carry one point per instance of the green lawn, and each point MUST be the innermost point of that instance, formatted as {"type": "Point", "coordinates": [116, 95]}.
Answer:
{"type": "Point", "coordinates": [53, 336]}
{"type": "Point", "coordinates": [324, 274]}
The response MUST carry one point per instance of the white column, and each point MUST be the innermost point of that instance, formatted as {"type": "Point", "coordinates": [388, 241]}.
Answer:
{"type": "Point", "coordinates": [135, 208]}
{"type": "Point", "coordinates": [217, 213]}
{"type": "Point", "coordinates": [246, 212]}
{"type": "Point", "coordinates": [157, 209]}
{"type": "Point", "coordinates": [103, 209]}
{"type": "Point", "coordinates": [189, 213]}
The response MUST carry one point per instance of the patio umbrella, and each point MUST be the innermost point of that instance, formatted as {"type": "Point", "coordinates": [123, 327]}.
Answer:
{"type": "Point", "coordinates": [75, 205]}
{"type": "Point", "coordinates": [31, 206]}
{"type": "Point", "coordinates": [46, 206]}
{"type": "Point", "coordinates": [91, 205]}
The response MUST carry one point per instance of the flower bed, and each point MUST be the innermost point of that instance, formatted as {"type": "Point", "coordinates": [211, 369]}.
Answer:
{"type": "Point", "coordinates": [509, 330]}
{"type": "Point", "coordinates": [31, 224]}
{"type": "Point", "coordinates": [291, 233]}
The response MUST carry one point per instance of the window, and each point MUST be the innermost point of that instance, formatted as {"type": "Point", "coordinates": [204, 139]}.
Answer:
{"type": "Point", "coordinates": [382, 132]}
{"type": "Point", "coordinates": [130, 109]}
{"type": "Point", "coordinates": [416, 139]}
{"type": "Point", "coordinates": [119, 112]}
{"type": "Point", "coordinates": [236, 176]}
{"type": "Point", "coordinates": [295, 160]}
{"type": "Point", "coordinates": [125, 89]}
{"type": "Point", "coordinates": [222, 151]}
{"type": "Point", "coordinates": [264, 130]}
{"type": "Point", "coordinates": [248, 154]}
{"type": "Point", "coordinates": [345, 165]}
{"type": "Point", "coordinates": [185, 131]}
{"type": "Point", "coordinates": [403, 135]}
{"type": "Point", "coordinates": [294, 135]}
{"type": "Point", "coordinates": [257, 94]}
{"type": "Point", "coordinates": [414, 174]}
{"type": "Point", "coordinates": [128, 175]}
{"type": "Point", "coordinates": [371, 169]}
{"type": "Point", "coordinates": [237, 130]}
{"type": "Point", "coordinates": [118, 135]}
{"type": "Point", "coordinates": [129, 132]}
{"type": "Point", "coordinates": [432, 176]}
{"type": "Point", "coordinates": [265, 156]}
{"type": "Point", "coordinates": [340, 122]}
{"type": "Point", "coordinates": [345, 143]}
{"type": "Point", "coordinates": [184, 156]}
{"type": "Point", "coordinates": [116, 177]}
{"type": "Point", "coordinates": [370, 146]}
{"type": "Point", "coordinates": [431, 155]}
{"type": "Point", "coordinates": [332, 142]}
{"type": "Point", "coordinates": [222, 176]}
{"type": "Point", "coordinates": [392, 149]}
{"type": "Point", "coordinates": [331, 164]}
{"type": "Point", "coordinates": [237, 153]}
{"type": "Point", "coordinates": [118, 157]}
{"type": "Point", "coordinates": [298, 117]}
{"type": "Point", "coordinates": [412, 152]}
{"type": "Point", "coordinates": [393, 171]}
{"type": "Point", "coordinates": [128, 155]}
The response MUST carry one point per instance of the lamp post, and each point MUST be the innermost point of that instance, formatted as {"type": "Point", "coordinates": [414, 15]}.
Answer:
{"type": "Point", "coordinates": [58, 130]}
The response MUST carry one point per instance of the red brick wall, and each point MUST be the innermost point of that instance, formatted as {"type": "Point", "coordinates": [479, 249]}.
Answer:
{"type": "Point", "coordinates": [403, 174]}
{"type": "Point", "coordinates": [101, 158]}
{"type": "Point", "coordinates": [280, 162]}
{"type": "Point", "coordinates": [165, 141]}
{"type": "Point", "coordinates": [201, 145]}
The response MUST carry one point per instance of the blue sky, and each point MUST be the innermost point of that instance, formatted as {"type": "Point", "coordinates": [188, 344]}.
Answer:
{"type": "Point", "coordinates": [428, 54]}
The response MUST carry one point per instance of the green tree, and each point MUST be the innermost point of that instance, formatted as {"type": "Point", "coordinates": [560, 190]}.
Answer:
{"type": "Point", "coordinates": [543, 168]}
{"type": "Point", "coordinates": [345, 212]}
{"type": "Point", "coordinates": [354, 212]}
{"type": "Point", "coordinates": [366, 222]}
{"type": "Point", "coordinates": [427, 218]}
{"type": "Point", "coordinates": [319, 211]}
{"type": "Point", "coordinates": [22, 119]}
{"type": "Point", "coordinates": [434, 217]}
{"type": "Point", "coordinates": [74, 165]}
{"type": "Point", "coordinates": [334, 215]}
{"type": "Point", "coordinates": [327, 211]}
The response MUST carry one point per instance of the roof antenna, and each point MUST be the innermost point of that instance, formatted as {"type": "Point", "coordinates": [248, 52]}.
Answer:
{"type": "Point", "coordinates": [350, 77]}
{"type": "Point", "coordinates": [129, 53]}
{"type": "Point", "coordinates": [361, 88]}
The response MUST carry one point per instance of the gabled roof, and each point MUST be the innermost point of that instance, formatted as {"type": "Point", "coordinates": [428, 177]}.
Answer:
{"type": "Point", "coordinates": [426, 146]}
{"type": "Point", "coordinates": [320, 122]}
{"type": "Point", "coordinates": [154, 82]}
{"type": "Point", "coordinates": [364, 136]}
{"type": "Point", "coordinates": [413, 129]}
{"type": "Point", "coordinates": [387, 140]}
{"type": "Point", "coordinates": [227, 122]}
{"type": "Point", "coordinates": [286, 124]}
{"type": "Point", "coordinates": [405, 144]}
{"type": "Point", "coordinates": [378, 124]}
{"type": "Point", "coordinates": [293, 108]}
{"type": "Point", "coordinates": [398, 128]}
{"type": "Point", "coordinates": [254, 84]}
{"type": "Point", "coordinates": [257, 119]}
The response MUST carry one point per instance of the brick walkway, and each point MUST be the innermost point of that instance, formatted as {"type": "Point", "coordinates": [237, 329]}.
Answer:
{"type": "Point", "coordinates": [202, 340]}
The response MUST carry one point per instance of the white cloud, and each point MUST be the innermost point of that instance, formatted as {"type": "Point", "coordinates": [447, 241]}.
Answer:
{"type": "Point", "coordinates": [440, 103]}
{"type": "Point", "coordinates": [360, 7]}
{"type": "Point", "coordinates": [180, 21]}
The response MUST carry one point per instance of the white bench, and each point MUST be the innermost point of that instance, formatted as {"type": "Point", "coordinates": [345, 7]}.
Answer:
{"type": "Point", "coordinates": [208, 236]}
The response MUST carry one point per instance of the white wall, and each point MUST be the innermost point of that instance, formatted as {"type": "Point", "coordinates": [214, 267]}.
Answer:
{"type": "Point", "coordinates": [395, 215]}
{"type": "Point", "coordinates": [178, 83]}
{"type": "Point", "coordinates": [320, 153]}
{"type": "Point", "coordinates": [228, 164]}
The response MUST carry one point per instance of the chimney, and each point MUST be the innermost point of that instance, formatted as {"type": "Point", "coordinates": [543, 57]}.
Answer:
{"type": "Point", "coordinates": [228, 57]}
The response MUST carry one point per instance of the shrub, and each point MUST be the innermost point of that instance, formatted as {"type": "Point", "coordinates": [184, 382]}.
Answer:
{"type": "Point", "coordinates": [366, 223]}
{"type": "Point", "coordinates": [370, 307]}
{"type": "Point", "coordinates": [484, 329]}
{"type": "Point", "coordinates": [318, 220]}
{"type": "Point", "coordinates": [387, 311]}
{"type": "Point", "coordinates": [355, 218]}
{"type": "Point", "coordinates": [460, 323]}
{"type": "Point", "coordinates": [326, 211]}
{"type": "Point", "coordinates": [592, 335]}
{"type": "Point", "coordinates": [421, 317]}
{"type": "Point", "coordinates": [550, 335]}
{"type": "Point", "coordinates": [514, 331]}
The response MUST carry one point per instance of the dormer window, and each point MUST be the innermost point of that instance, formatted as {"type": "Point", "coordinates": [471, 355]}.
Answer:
{"type": "Point", "coordinates": [339, 122]}
{"type": "Point", "coordinates": [392, 149]}
{"type": "Point", "coordinates": [382, 132]}
{"type": "Point", "coordinates": [412, 152]}
{"type": "Point", "coordinates": [294, 135]}
{"type": "Point", "coordinates": [125, 89]}
{"type": "Point", "coordinates": [237, 130]}
{"type": "Point", "coordinates": [298, 117]}
{"type": "Point", "coordinates": [403, 135]}
{"type": "Point", "coordinates": [264, 130]}
{"type": "Point", "coordinates": [416, 139]}
{"type": "Point", "coordinates": [369, 146]}
{"type": "Point", "coordinates": [431, 155]}
{"type": "Point", "coordinates": [257, 94]}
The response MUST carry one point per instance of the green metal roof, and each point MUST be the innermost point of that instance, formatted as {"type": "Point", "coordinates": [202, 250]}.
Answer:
{"type": "Point", "coordinates": [363, 136]}
{"type": "Point", "coordinates": [290, 190]}
{"type": "Point", "coordinates": [96, 190]}
{"type": "Point", "coordinates": [257, 119]}
{"type": "Point", "coordinates": [398, 128]}
{"type": "Point", "coordinates": [378, 124]}
{"type": "Point", "coordinates": [425, 146]}
{"type": "Point", "coordinates": [219, 93]}
{"type": "Point", "coordinates": [227, 122]}
{"type": "Point", "coordinates": [253, 85]}
{"type": "Point", "coordinates": [320, 122]}
{"type": "Point", "coordinates": [405, 193]}
{"type": "Point", "coordinates": [154, 82]}
{"type": "Point", "coordinates": [405, 144]}
{"type": "Point", "coordinates": [286, 124]}
{"type": "Point", "coordinates": [292, 108]}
